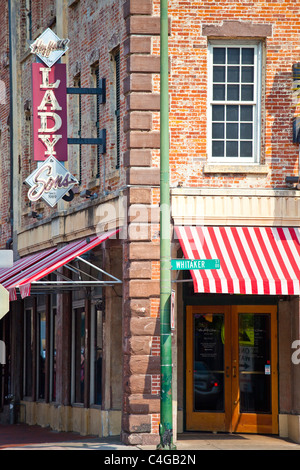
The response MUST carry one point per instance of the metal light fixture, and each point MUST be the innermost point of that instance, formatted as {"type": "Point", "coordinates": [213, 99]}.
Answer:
{"type": "Point", "coordinates": [36, 215]}
{"type": "Point", "coordinates": [87, 194]}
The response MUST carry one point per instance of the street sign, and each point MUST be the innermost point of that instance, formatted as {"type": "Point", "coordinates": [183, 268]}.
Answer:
{"type": "Point", "coordinates": [4, 301]}
{"type": "Point", "coordinates": [187, 264]}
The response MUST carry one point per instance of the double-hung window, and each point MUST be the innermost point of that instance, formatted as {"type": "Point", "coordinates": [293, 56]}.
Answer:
{"type": "Point", "coordinates": [234, 96]}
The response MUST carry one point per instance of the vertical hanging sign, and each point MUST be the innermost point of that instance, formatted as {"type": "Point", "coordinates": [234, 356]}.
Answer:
{"type": "Point", "coordinates": [51, 180]}
{"type": "Point", "coordinates": [49, 109]}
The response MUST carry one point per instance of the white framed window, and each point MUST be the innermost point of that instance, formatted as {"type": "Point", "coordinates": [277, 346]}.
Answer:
{"type": "Point", "coordinates": [234, 102]}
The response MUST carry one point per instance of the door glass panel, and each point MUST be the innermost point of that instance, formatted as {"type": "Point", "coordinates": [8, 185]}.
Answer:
{"type": "Point", "coordinates": [255, 363]}
{"type": "Point", "coordinates": [208, 362]}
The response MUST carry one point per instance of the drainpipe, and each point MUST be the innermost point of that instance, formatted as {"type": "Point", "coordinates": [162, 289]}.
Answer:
{"type": "Point", "coordinates": [11, 119]}
{"type": "Point", "coordinates": [166, 414]}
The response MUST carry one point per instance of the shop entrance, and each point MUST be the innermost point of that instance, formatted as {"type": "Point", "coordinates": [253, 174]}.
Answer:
{"type": "Point", "coordinates": [231, 369]}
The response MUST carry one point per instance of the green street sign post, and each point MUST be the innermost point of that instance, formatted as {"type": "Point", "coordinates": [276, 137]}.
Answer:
{"type": "Point", "coordinates": [187, 264]}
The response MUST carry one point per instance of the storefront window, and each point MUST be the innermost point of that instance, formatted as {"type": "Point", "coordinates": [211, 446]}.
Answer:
{"type": "Point", "coordinates": [53, 354]}
{"type": "Point", "coordinates": [97, 350]}
{"type": "Point", "coordinates": [209, 362]}
{"type": "Point", "coordinates": [28, 342]}
{"type": "Point", "coordinates": [78, 371]}
{"type": "Point", "coordinates": [41, 356]}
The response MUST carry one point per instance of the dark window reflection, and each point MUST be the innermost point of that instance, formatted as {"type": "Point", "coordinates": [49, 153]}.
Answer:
{"type": "Point", "coordinates": [208, 362]}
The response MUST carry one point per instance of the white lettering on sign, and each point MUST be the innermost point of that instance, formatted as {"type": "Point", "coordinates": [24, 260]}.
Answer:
{"type": "Point", "coordinates": [39, 47]}
{"type": "Point", "coordinates": [49, 112]}
{"type": "Point", "coordinates": [49, 47]}
{"type": "Point", "coordinates": [44, 122]}
{"type": "Point", "coordinates": [50, 181]}
{"type": "Point", "coordinates": [44, 182]}
{"type": "Point", "coordinates": [50, 143]}
{"type": "Point", "coordinates": [45, 79]}
{"type": "Point", "coordinates": [49, 99]}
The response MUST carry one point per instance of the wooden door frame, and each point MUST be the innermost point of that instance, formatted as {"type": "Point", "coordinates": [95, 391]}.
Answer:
{"type": "Point", "coordinates": [255, 422]}
{"type": "Point", "coordinates": [230, 421]}
{"type": "Point", "coordinates": [219, 422]}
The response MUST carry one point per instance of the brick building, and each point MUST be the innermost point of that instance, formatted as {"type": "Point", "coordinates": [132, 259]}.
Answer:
{"type": "Point", "coordinates": [85, 357]}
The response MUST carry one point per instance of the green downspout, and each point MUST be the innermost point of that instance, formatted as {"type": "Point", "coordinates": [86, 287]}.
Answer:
{"type": "Point", "coordinates": [166, 427]}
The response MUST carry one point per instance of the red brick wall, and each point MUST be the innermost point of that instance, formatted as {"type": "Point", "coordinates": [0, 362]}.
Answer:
{"type": "Point", "coordinates": [133, 25]}
{"type": "Point", "coordinates": [94, 34]}
{"type": "Point", "coordinates": [188, 79]}
{"type": "Point", "coordinates": [188, 84]}
{"type": "Point", "coordinates": [5, 227]}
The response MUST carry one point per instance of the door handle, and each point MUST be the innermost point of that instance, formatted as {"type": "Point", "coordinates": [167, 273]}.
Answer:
{"type": "Point", "coordinates": [234, 371]}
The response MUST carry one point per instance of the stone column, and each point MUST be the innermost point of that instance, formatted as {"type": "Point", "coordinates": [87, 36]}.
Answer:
{"type": "Point", "coordinates": [141, 361]}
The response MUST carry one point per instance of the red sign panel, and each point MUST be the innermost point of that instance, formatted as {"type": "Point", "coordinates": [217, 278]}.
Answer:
{"type": "Point", "coordinates": [49, 109]}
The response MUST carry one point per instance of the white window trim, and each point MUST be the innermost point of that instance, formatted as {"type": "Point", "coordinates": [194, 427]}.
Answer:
{"type": "Point", "coordinates": [255, 160]}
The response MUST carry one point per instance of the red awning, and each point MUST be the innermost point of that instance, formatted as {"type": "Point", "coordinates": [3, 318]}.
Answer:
{"type": "Point", "coordinates": [52, 260]}
{"type": "Point", "coordinates": [253, 260]}
{"type": "Point", "coordinates": [19, 267]}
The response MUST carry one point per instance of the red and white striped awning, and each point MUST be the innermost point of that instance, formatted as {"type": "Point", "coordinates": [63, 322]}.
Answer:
{"type": "Point", "coordinates": [33, 268]}
{"type": "Point", "coordinates": [253, 260]}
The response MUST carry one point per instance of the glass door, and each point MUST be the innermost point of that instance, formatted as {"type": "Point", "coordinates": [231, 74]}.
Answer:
{"type": "Point", "coordinates": [254, 369]}
{"type": "Point", "coordinates": [206, 378]}
{"type": "Point", "coordinates": [231, 373]}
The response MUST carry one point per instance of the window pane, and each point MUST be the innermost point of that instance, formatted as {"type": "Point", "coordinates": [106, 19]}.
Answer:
{"type": "Point", "coordinates": [98, 359]}
{"type": "Point", "coordinates": [233, 55]}
{"type": "Point", "coordinates": [255, 384]}
{"type": "Point", "coordinates": [42, 354]}
{"type": "Point", "coordinates": [233, 74]}
{"type": "Point", "coordinates": [233, 92]}
{"type": "Point", "coordinates": [28, 360]}
{"type": "Point", "coordinates": [246, 149]}
{"type": "Point", "coordinates": [247, 93]}
{"type": "Point", "coordinates": [218, 131]}
{"type": "Point", "coordinates": [232, 113]}
{"type": "Point", "coordinates": [218, 113]}
{"type": "Point", "coordinates": [232, 131]}
{"type": "Point", "coordinates": [219, 55]}
{"type": "Point", "coordinates": [231, 148]}
{"type": "Point", "coordinates": [219, 74]}
{"type": "Point", "coordinates": [246, 113]}
{"type": "Point", "coordinates": [217, 149]}
{"type": "Point", "coordinates": [208, 363]}
{"type": "Point", "coordinates": [79, 351]}
{"type": "Point", "coordinates": [246, 131]}
{"type": "Point", "coordinates": [248, 55]}
{"type": "Point", "coordinates": [219, 92]}
{"type": "Point", "coordinates": [247, 74]}
{"type": "Point", "coordinates": [53, 340]}
{"type": "Point", "coordinates": [233, 124]}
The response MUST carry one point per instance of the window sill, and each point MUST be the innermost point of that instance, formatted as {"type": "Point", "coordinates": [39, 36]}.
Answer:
{"type": "Point", "coordinates": [232, 168]}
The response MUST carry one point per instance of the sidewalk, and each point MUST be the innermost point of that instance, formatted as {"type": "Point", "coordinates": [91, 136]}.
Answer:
{"type": "Point", "coordinates": [25, 437]}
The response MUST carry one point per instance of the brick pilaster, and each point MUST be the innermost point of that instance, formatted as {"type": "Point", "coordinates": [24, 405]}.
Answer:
{"type": "Point", "coordinates": [141, 367]}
